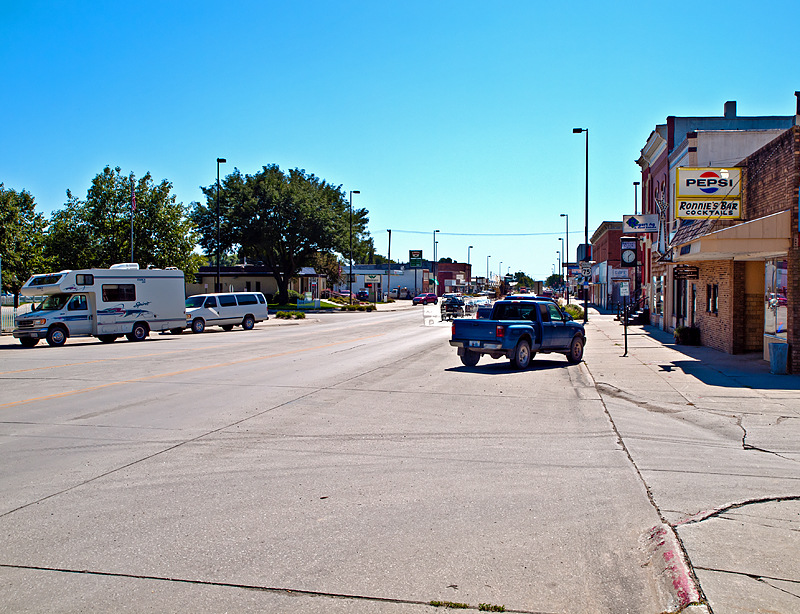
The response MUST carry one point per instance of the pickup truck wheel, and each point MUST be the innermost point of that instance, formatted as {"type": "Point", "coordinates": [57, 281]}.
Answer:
{"type": "Point", "coordinates": [470, 358]}
{"type": "Point", "coordinates": [575, 351]}
{"type": "Point", "coordinates": [56, 336]}
{"type": "Point", "coordinates": [522, 355]}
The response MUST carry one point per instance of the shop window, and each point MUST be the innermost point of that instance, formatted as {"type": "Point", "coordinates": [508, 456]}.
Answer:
{"type": "Point", "coordinates": [775, 298]}
{"type": "Point", "coordinates": [712, 298]}
{"type": "Point", "coordinates": [658, 295]}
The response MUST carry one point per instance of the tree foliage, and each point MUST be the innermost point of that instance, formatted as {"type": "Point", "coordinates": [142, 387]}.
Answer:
{"type": "Point", "coordinates": [284, 220]}
{"type": "Point", "coordinates": [21, 238]}
{"type": "Point", "coordinates": [554, 281]}
{"type": "Point", "coordinates": [96, 232]}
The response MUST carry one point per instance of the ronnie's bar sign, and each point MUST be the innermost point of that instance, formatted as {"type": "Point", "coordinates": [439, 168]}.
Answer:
{"type": "Point", "coordinates": [701, 209]}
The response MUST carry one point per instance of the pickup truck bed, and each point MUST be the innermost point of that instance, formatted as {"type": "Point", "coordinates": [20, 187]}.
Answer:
{"type": "Point", "coordinates": [517, 330]}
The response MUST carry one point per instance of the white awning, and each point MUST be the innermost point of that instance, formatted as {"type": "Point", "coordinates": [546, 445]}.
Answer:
{"type": "Point", "coordinates": [766, 237]}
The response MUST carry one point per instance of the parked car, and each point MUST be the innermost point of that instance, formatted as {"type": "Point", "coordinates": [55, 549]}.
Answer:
{"type": "Point", "coordinates": [362, 295]}
{"type": "Point", "coordinates": [225, 310]}
{"type": "Point", "coordinates": [453, 307]}
{"type": "Point", "coordinates": [425, 299]}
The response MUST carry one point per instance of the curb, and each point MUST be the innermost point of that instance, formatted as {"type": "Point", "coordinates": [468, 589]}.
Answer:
{"type": "Point", "coordinates": [674, 579]}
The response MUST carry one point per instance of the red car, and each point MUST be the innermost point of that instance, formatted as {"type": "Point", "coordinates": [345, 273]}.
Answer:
{"type": "Point", "coordinates": [424, 299]}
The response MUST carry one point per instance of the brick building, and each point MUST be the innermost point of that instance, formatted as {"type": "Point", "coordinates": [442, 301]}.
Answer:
{"type": "Point", "coordinates": [607, 271]}
{"type": "Point", "coordinates": [746, 294]}
{"type": "Point", "coordinates": [688, 142]}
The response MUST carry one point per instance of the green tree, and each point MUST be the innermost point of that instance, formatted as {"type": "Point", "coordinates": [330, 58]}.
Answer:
{"type": "Point", "coordinates": [285, 220]}
{"type": "Point", "coordinates": [96, 232]}
{"type": "Point", "coordinates": [554, 281]}
{"type": "Point", "coordinates": [21, 239]}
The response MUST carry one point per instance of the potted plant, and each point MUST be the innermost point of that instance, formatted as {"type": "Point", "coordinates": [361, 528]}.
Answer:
{"type": "Point", "coordinates": [687, 335]}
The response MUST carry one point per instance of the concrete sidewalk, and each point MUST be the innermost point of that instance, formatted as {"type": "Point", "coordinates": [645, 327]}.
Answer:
{"type": "Point", "coordinates": [716, 440]}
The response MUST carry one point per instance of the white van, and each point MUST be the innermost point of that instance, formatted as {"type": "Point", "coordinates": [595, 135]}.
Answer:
{"type": "Point", "coordinates": [226, 310]}
{"type": "Point", "coordinates": [104, 303]}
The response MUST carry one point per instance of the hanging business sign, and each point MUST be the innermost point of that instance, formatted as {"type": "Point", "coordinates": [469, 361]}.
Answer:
{"type": "Point", "coordinates": [694, 209]}
{"type": "Point", "coordinates": [640, 223]}
{"type": "Point", "coordinates": [703, 193]}
{"type": "Point", "coordinates": [709, 183]}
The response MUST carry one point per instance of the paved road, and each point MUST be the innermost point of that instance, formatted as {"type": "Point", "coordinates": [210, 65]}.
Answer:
{"type": "Point", "coordinates": [351, 464]}
{"type": "Point", "coordinates": [347, 465]}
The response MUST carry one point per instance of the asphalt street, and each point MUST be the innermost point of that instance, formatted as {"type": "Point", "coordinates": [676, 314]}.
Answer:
{"type": "Point", "coordinates": [350, 463]}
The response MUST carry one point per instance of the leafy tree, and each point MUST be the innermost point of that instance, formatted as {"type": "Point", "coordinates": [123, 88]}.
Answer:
{"type": "Point", "coordinates": [554, 281]}
{"type": "Point", "coordinates": [96, 232]}
{"type": "Point", "coordinates": [21, 239]}
{"type": "Point", "coordinates": [523, 280]}
{"type": "Point", "coordinates": [285, 220]}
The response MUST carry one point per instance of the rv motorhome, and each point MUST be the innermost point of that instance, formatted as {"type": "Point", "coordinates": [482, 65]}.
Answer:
{"type": "Point", "coordinates": [104, 303]}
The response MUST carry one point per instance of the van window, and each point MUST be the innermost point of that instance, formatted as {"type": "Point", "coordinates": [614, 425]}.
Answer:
{"type": "Point", "coordinates": [247, 299]}
{"type": "Point", "coordinates": [211, 301]}
{"type": "Point", "coordinates": [119, 292]}
{"type": "Point", "coordinates": [194, 301]}
{"type": "Point", "coordinates": [261, 298]}
{"type": "Point", "coordinates": [227, 300]}
{"type": "Point", "coordinates": [84, 280]}
{"type": "Point", "coordinates": [77, 303]}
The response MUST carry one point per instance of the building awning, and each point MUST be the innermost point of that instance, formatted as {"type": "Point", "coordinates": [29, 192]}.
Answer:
{"type": "Point", "coordinates": [765, 237]}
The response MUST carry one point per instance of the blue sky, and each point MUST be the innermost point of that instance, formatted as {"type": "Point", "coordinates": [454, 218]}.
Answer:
{"type": "Point", "coordinates": [454, 116]}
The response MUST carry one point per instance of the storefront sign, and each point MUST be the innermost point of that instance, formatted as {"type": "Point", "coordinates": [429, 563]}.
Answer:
{"type": "Point", "coordinates": [640, 223]}
{"type": "Point", "coordinates": [709, 183]}
{"type": "Point", "coordinates": [690, 209]}
{"type": "Point", "coordinates": [685, 271]}
{"type": "Point", "coordinates": [618, 274]}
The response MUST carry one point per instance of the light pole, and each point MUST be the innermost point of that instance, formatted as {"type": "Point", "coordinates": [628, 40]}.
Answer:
{"type": "Point", "coordinates": [435, 281]}
{"type": "Point", "coordinates": [389, 268]}
{"type": "Point", "coordinates": [636, 285]}
{"type": "Point", "coordinates": [487, 270]}
{"type": "Point", "coordinates": [586, 228]}
{"type": "Point", "coordinates": [217, 287]}
{"type": "Point", "coordinates": [469, 270]}
{"type": "Point", "coordinates": [567, 235]}
{"type": "Point", "coordinates": [563, 262]}
{"type": "Point", "coordinates": [350, 276]}
{"type": "Point", "coordinates": [558, 253]}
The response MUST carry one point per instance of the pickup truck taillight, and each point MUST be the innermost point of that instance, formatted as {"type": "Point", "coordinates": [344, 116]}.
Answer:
{"type": "Point", "coordinates": [501, 331]}
{"type": "Point", "coordinates": [453, 330]}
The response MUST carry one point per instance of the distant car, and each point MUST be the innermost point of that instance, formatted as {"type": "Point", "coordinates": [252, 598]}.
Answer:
{"type": "Point", "coordinates": [424, 299]}
{"type": "Point", "coordinates": [362, 295]}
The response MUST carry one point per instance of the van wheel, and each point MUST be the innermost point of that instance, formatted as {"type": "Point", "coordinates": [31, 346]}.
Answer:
{"type": "Point", "coordinates": [227, 327]}
{"type": "Point", "coordinates": [198, 325]}
{"type": "Point", "coordinates": [470, 358]}
{"type": "Point", "coordinates": [28, 342]}
{"type": "Point", "coordinates": [522, 355]}
{"type": "Point", "coordinates": [249, 322]}
{"type": "Point", "coordinates": [56, 336]}
{"type": "Point", "coordinates": [575, 351]}
{"type": "Point", "coordinates": [139, 332]}
{"type": "Point", "coordinates": [107, 338]}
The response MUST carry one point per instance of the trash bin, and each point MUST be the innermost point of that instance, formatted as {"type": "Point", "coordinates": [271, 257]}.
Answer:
{"type": "Point", "coordinates": [778, 357]}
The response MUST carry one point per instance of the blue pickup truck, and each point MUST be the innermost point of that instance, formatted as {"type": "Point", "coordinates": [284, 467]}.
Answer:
{"type": "Point", "coordinates": [518, 329]}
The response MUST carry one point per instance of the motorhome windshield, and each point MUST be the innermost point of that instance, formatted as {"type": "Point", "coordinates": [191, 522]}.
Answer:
{"type": "Point", "coordinates": [194, 301]}
{"type": "Point", "coordinates": [54, 302]}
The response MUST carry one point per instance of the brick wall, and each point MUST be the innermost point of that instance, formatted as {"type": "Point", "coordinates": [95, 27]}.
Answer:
{"type": "Point", "coordinates": [771, 185]}
{"type": "Point", "coordinates": [717, 330]}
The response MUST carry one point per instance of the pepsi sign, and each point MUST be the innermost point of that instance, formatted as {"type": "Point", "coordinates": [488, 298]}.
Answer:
{"type": "Point", "coordinates": [707, 183]}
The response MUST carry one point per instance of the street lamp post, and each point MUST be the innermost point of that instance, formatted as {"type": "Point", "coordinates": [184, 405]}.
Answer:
{"type": "Point", "coordinates": [389, 268]}
{"type": "Point", "coordinates": [487, 270]}
{"type": "Point", "coordinates": [563, 262]}
{"type": "Point", "coordinates": [637, 285]}
{"type": "Point", "coordinates": [435, 280]}
{"type": "Point", "coordinates": [586, 227]}
{"type": "Point", "coordinates": [567, 235]}
{"type": "Point", "coordinates": [350, 276]}
{"type": "Point", "coordinates": [217, 287]}
{"type": "Point", "coordinates": [469, 270]}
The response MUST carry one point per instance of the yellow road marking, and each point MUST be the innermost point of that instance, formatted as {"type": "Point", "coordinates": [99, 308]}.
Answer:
{"type": "Point", "coordinates": [68, 393]}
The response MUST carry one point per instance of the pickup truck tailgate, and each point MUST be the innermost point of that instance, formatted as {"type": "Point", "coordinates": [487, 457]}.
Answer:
{"type": "Point", "coordinates": [475, 330]}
